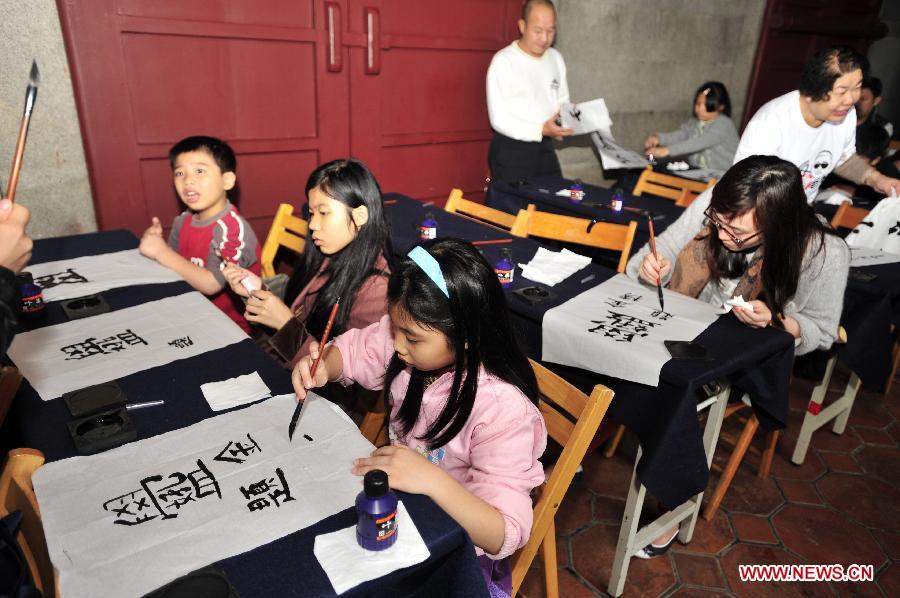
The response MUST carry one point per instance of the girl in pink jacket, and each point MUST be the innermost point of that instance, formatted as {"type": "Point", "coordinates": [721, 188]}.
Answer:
{"type": "Point", "coordinates": [464, 424]}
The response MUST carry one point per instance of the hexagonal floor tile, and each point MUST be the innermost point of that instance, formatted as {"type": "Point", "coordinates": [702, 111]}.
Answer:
{"type": "Point", "coordinates": [607, 477]}
{"type": "Point", "coordinates": [710, 537]}
{"type": "Point", "coordinates": [863, 499]}
{"type": "Point", "coordinates": [576, 510]}
{"type": "Point", "coordinates": [699, 570]}
{"type": "Point", "coordinates": [822, 536]}
{"type": "Point", "coordinates": [752, 554]}
{"type": "Point", "coordinates": [800, 492]}
{"type": "Point", "coordinates": [783, 469]}
{"type": "Point", "coordinates": [751, 528]}
{"type": "Point", "coordinates": [750, 494]}
{"type": "Point", "coordinates": [883, 462]}
{"type": "Point", "coordinates": [889, 581]}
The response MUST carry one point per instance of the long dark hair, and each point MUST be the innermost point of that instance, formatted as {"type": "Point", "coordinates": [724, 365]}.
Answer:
{"type": "Point", "coordinates": [352, 184]}
{"type": "Point", "coordinates": [717, 99]}
{"type": "Point", "coordinates": [786, 222]}
{"type": "Point", "coordinates": [476, 323]}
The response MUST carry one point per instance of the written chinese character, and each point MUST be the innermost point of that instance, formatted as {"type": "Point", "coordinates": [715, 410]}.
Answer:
{"type": "Point", "coordinates": [660, 314]}
{"type": "Point", "coordinates": [70, 276]}
{"type": "Point", "coordinates": [621, 327]}
{"type": "Point", "coordinates": [233, 451]}
{"type": "Point", "coordinates": [181, 343]}
{"type": "Point", "coordinates": [266, 490]}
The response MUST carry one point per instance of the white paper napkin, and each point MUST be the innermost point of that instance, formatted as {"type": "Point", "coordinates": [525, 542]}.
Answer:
{"type": "Point", "coordinates": [348, 564]}
{"type": "Point", "coordinates": [833, 196]}
{"type": "Point", "coordinates": [551, 267]}
{"type": "Point", "coordinates": [235, 391]}
{"type": "Point", "coordinates": [736, 302]}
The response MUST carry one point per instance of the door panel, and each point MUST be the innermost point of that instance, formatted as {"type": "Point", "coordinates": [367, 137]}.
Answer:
{"type": "Point", "coordinates": [147, 74]}
{"type": "Point", "coordinates": [420, 119]}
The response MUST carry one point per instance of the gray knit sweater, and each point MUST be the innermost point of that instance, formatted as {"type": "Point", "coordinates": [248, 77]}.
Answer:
{"type": "Point", "coordinates": [819, 299]}
{"type": "Point", "coordinates": [711, 146]}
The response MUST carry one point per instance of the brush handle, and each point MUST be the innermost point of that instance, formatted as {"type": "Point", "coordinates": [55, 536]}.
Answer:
{"type": "Point", "coordinates": [17, 159]}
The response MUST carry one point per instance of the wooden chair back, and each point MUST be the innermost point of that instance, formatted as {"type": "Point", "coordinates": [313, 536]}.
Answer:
{"type": "Point", "coordinates": [571, 229]}
{"type": "Point", "coordinates": [572, 419]}
{"type": "Point", "coordinates": [17, 494]}
{"type": "Point", "coordinates": [686, 198]}
{"type": "Point", "coordinates": [847, 216]}
{"type": "Point", "coordinates": [10, 379]}
{"type": "Point", "coordinates": [287, 231]}
{"type": "Point", "coordinates": [457, 204]}
{"type": "Point", "coordinates": [667, 185]}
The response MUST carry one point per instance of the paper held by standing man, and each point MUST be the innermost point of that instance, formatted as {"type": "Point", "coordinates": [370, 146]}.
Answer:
{"type": "Point", "coordinates": [586, 117]}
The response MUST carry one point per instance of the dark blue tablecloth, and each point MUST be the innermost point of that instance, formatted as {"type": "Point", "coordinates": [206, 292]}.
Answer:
{"type": "Point", "coordinates": [286, 567]}
{"type": "Point", "coordinates": [673, 467]}
{"type": "Point", "coordinates": [541, 191]}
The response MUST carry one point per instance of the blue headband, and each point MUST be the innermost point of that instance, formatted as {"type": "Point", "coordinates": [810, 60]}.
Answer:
{"type": "Point", "coordinates": [430, 266]}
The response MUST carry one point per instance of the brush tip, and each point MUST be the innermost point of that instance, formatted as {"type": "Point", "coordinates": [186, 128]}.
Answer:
{"type": "Point", "coordinates": [35, 77]}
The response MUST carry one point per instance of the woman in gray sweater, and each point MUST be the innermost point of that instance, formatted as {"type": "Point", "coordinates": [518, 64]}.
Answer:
{"type": "Point", "coordinates": [709, 139]}
{"type": "Point", "coordinates": [755, 236]}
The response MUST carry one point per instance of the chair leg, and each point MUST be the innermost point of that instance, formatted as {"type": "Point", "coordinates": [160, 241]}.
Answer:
{"type": "Point", "coordinates": [765, 460]}
{"type": "Point", "coordinates": [548, 552]}
{"type": "Point", "coordinates": [846, 400]}
{"type": "Point", "coordinates": [610, 449]}
{"type": "Point", "coordinates": [812, 418]}
{"type": "Point", "coordinates": [737, 455]}
{"type": "Point", "coordinates": [634, 504]}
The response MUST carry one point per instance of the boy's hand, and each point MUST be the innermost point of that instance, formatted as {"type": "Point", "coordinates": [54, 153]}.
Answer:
{"type": "Point", "coordinates": [407, 469]}
{"type": "Point", "coordinates": [152, 243]}
{"type": "Point", "coordinates": [234, 274]}
{"type": "Point", "coordinates": [264, 307]}
{"type": "Point", "coordinates": [301, 377]}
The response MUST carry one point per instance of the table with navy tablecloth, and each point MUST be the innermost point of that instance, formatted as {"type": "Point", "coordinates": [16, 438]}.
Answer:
{"type": "Point", "coordinates": [673, 466]}
{"type": "Point", "coordinates": [281, 568]}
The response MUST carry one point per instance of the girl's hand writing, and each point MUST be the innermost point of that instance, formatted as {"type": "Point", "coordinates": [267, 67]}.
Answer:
{"type": "Point", "coordinates": [264, 307]}
{"type": "Point", "coordinates": [653, 270]}
{"type": "Point", "coordinates": [760, 317]}
{"type": "Point", "coordinates": [407, 469]}
{"type": "Point", "coordinates": [234, 274]}
{"type": "Point", "coordinates": [301, 377]}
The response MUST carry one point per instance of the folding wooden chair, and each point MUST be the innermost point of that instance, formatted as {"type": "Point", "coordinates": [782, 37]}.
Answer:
{"type": "Point", "coordinates": [686, 198]}
{"type": "Point", "coordinates": [667, 185]}
{"type": "Point", "coordinates": [631, 539]}
{"type": "Point", "coordinates": [604, 235]}
{"type": "Point", "coordinates": [17, 494]}
{"type": "Point", "coordinates": [560, 404]}
{"type": "Point", "coordinates": [287, 231]}
{"type": "Point", "coordinates": [10, 379]}
{"type": "Point", "coordinates": [741, 447]}
{"type": "Point", "coordinates": [839, 411]}
{"type": "Point", "coordinates": [847, 216]}
{"type": "Point", "coordinates": [457, 204]}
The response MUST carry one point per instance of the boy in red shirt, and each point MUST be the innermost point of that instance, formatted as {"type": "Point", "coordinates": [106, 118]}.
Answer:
{"type": "Point", "coordinates": [210, 233]}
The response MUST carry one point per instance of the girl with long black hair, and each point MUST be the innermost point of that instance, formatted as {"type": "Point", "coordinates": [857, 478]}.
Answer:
{"type": "Point", "coordinates": [755, 237]}
{"type": "Point", "coordinates": [462, 397]}
{"type": "Point", "coordinates": [348, 248]}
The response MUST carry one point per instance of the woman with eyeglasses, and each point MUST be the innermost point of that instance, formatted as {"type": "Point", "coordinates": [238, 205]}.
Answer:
{"type": "Point", "coordinates": [755, 236]}
{"type": "Point", "coordinates": [758, 238]}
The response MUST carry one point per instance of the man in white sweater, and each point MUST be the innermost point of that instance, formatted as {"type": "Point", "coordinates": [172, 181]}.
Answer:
{"type": "Point", "coordinates": [814, 127]}
{"type": "Point", "coordinates": [526, 84]}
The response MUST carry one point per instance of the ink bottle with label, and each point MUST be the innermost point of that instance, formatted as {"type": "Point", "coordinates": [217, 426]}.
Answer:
{"type": "Point", "coordinates": [32, 295]}
{"type": "Point", "coordinates": [376, 512]}
{"type": "Point", "coordinates": [617, 199]}
{"type": "Point", "coordinates": [505, 268]}
{"type": "Point", "coordinates": [576, 192]}
{"type": "Point", "coordinates": [428, 228]}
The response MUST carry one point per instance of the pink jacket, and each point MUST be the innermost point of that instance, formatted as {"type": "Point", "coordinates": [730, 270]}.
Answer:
{"type": "Point", "coordinates": [495, 456]}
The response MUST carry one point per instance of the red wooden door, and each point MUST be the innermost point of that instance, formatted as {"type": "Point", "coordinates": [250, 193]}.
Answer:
{"type": "Point", "coordinates": [793, 30]}
{"type": "Point", "coordinates": [417, 90]}
{"type": "Point", "coordinates": [262, 76]}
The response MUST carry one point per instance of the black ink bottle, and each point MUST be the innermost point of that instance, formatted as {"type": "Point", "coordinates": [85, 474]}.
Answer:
{"type": "Point", "coordinates": [428, 229]}
{"type": "Point", "coordinates": [376, 512]}
{"type": "Point", "coordinates": [505, 268]}
{"type": "Point", "coordinates": [32, 295]}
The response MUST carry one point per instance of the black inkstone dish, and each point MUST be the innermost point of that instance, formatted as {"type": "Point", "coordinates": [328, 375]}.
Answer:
{"type": "Point", "coordinates": [102, 431]}
{"type": "Point", "coordinates": [687, 350]}
{"type": "Point", "coordinates": [534, 295]}
{"type": "Point", "coordinates": [94, 399]}
{"type": "Point", "coordinates": [85, 307]}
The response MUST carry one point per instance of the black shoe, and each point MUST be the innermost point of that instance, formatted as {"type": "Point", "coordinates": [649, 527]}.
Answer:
{"type": "Point", "coordinates": [652, 550]}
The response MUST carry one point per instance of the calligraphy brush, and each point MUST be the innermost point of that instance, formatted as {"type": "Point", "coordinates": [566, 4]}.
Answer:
{"type": "Point", "coordinates": [295, 418]}
{"type": "Point", "coordinates": [656, 255]}
{"type": "Point", "coordinates": [30, 96]}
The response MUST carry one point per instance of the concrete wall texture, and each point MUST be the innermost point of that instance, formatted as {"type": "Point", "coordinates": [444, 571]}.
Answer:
{"type": "Point", "coordinates": [884, 56]}
{"type": "Point", "coordinates": [646, 58]}
{"type": "Point", "coordinates": [53, 183]}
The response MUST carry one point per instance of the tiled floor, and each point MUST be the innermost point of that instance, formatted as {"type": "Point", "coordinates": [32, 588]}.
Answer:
{"type": "Point", "coordinates": [841, 506]}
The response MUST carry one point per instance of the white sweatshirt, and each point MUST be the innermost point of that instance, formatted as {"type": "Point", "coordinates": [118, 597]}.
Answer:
{"type": "Point", "coordinates": [524, 91]}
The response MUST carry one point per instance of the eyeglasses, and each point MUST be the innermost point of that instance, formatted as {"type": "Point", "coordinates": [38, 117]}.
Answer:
{"type": "Point", "coordinates": [725, 228]}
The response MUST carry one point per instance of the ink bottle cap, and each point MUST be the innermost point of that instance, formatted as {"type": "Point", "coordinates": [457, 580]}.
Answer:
{"type": "Point", "coordinates": [428, 229]}
{"type": "Point", "coordinates": [376, 512]}
{"type": "Point", "coordinates": [505, 268]}
{"type": "Point", "coordinates": [32, 295]}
